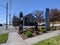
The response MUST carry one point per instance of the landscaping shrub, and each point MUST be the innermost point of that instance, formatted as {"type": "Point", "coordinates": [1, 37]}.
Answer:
{"type": "Point", "coordinates": [43, 30]}
{"type": "Point", "coordinates": [28, 34]}
{"type": "Point", "coordinates": [52, 28]}
{"type": "Point", "coordinates": [42, 27]}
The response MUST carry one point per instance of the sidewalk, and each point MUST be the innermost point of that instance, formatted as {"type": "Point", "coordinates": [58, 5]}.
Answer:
{"type": "Point", "coordinates": [42, 37]}
{"type": "Point", "coordinates": [15, 39]}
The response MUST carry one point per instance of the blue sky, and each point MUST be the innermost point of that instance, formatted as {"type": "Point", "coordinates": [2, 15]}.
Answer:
{"type": "Point", "coordinates": [27, 6]}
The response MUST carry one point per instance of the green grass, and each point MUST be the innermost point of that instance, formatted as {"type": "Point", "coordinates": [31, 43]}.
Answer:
{"type": "Point", "coordinates": [3, 38]}
{"type": "Point", "coordinates": [52, 41]}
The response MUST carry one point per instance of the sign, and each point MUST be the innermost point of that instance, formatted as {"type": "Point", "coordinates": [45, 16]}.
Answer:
{"type": "Point", "coordinates": [47, 19]}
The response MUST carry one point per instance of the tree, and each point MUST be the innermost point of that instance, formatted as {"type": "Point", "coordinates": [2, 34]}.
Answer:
{"type": "Point", "coordinates": [20, 15]}
{"type": "Point", "coordinates": [39, 15]}
{"type": "Point", "coordinates": [54, 14]}
{"type": "Point", "coordinates": [15, 20]}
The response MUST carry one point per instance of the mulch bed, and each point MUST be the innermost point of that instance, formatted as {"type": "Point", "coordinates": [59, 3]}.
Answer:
{"type": "Point", "coordinates": [34, 34]}
{"type": "Point", "coordinates": [25, 37]}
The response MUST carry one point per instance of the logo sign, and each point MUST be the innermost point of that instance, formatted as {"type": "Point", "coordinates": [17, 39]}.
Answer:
{"type": "Point", "coordinates": [47, 21]}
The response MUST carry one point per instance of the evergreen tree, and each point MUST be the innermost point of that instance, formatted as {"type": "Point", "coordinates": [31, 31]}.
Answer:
{"type": "Point", "coordinates": [20, 15]}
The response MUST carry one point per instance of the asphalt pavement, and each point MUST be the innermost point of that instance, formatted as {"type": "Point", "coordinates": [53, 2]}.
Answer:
{"type": "Point", "coordinates": [4, 30]}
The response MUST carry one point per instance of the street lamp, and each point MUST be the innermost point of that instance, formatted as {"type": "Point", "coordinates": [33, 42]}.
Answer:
{"type": "Point", "coordinates": [6, 14]}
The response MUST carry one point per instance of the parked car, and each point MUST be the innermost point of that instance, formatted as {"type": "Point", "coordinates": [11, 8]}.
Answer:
{"type": "Point", "coordinates": [1, 25]}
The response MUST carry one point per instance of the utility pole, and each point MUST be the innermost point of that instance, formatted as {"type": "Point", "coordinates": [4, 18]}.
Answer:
{"type": "Point", "coordinates": [9, 19]}
{"type": "Point", "coordinates": [7, 15]}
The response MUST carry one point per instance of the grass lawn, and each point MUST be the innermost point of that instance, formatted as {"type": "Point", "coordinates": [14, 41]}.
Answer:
{"type": "Point", "coordinates": [52, 41]}
{"type": "Point", "coordinates": [3, 38]}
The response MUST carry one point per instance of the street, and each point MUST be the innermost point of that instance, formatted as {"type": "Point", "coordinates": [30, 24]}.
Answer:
{"type": "Point", "coordinates": [4, 30]}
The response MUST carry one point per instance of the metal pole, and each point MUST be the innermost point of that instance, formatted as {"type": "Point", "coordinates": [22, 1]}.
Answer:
{"type": "Point", "coordinates": [7, 15]}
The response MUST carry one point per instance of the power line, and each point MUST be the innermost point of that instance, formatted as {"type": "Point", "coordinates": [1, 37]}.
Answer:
{"type": "Point", "coordinates": [10, 6]}
{"type": "Point", "coordinates": [2, 6]}
{"type": "Point", "coordinates": [6, 13]}
{"type": "Point", "coordinates": [10, 9]}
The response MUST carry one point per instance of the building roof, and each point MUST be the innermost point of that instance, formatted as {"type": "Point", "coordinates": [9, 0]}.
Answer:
{"type": "Point", "coordinates": [31, 17]}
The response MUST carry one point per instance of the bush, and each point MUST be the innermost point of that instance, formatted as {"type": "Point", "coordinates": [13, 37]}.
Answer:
{"type": "Point", "coordinates": [42, 27]}
{"type": "Point", "coordinates": [28, 34]}
{"type": "Point", "coordinates": [43, 30]}
{"type": "Point", "coordinates": [52, 28]}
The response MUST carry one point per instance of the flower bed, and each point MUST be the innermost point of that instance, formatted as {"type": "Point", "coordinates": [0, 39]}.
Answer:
{"type": "Point", "coordinates": [32, 32]}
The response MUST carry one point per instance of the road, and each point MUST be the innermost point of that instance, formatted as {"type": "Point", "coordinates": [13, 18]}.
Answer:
{"type": "Point", "coordinates": [4, 30]}
{"type": "Point", "coordinates": [12, 29]}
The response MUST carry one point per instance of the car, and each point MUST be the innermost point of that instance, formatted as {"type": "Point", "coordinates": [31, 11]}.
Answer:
{"type": "Point", "coordinates": [1, 25]}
